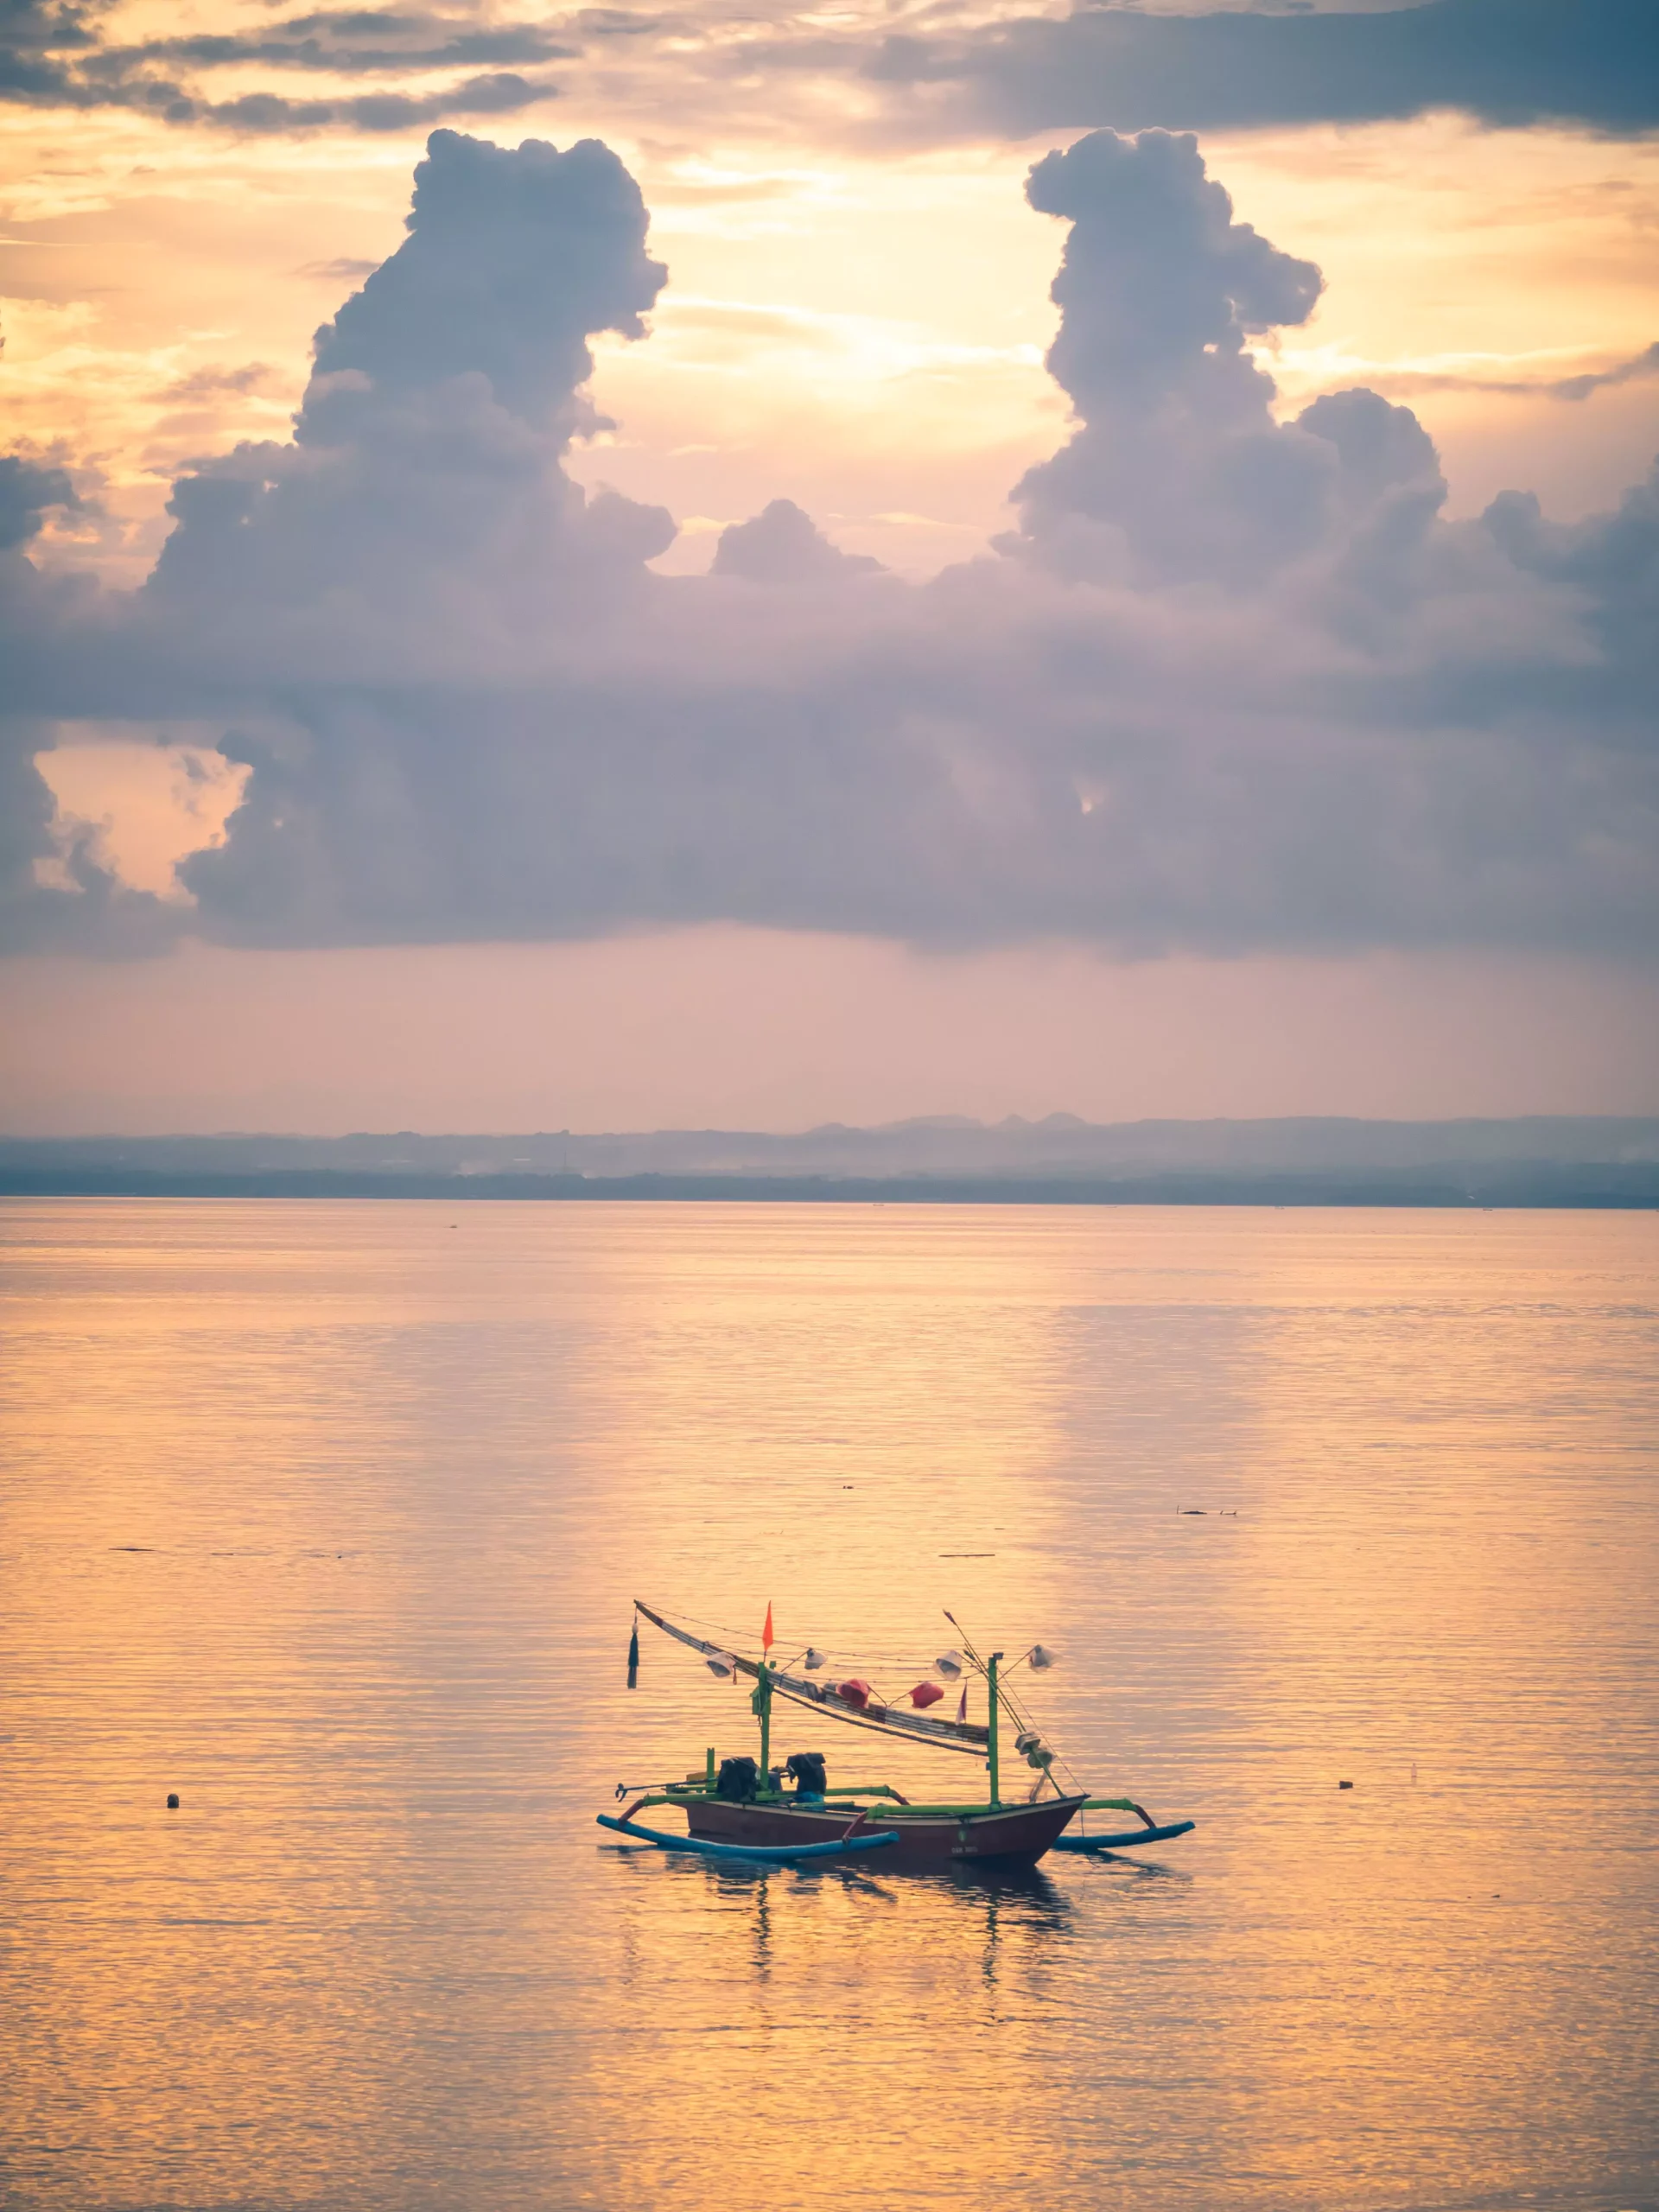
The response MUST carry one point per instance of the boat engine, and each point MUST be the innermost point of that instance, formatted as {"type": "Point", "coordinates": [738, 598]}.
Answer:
{"type": "Point", "coordinates": [736, 1780]}
{"type": "Point", "coordinates": [806, 1770]}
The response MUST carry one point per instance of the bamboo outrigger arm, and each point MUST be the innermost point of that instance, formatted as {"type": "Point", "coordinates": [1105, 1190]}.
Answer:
{"type": "Point", "coordinates": [1088, 1845]}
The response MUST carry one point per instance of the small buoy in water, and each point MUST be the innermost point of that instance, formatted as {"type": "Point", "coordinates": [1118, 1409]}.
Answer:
{"type": "Point", "coordinates": [172, 1800]}
{"type": "Point", "coordinates": [1345, 1785]}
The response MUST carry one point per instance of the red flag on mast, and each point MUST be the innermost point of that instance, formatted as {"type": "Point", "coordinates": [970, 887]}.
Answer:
{"type": "Point", "coordinates": [765, 1633]}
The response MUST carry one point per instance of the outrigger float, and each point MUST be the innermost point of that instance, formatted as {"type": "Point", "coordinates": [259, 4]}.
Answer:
{"type": "Point", "coordinates": [748, 1810]}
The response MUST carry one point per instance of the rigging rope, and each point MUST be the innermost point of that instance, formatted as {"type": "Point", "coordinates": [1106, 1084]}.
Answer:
{"type": "Point", "coordinates": [1015, 1707]}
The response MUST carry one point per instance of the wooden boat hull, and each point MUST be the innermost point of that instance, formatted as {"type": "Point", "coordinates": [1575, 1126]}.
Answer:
{"type": "Point", "coordinates": [787, 1854]}
{"type": "Point", "coordinates": [1012, 1835]}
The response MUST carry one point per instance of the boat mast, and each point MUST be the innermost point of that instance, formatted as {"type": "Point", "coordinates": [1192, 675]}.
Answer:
{"type": "Point", "coordinates": [988, 1668]}
{"type": "Point", "coordinates": [990, 1676]}
{"type": "Point", "coordinates": [763, 1707]}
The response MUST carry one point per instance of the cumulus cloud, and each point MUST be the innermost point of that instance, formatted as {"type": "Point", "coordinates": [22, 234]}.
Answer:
{"type": "Point", "coordinates": [56, 893]}
{"type": "Point", "coordinates": [28, 492]}
{"type": "Point", "coordinates": [512, 262]}
{"type": "Point", "coordinates": [1159, 290]}
{"type": "Point", "coordinates": [782, 544]}
{"type": "Point", "coordinates": [1233, 682]}
{"type": "Point", "coordinates": [424, 490]}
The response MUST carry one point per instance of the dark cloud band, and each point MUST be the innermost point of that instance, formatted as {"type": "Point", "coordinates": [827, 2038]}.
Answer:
{"type": "Point", "coordinates": [1593, 63]}
{"type": "Point", "coordinates": [57, 56]}
{"type": "Point", "coordinates": [1588, 64]}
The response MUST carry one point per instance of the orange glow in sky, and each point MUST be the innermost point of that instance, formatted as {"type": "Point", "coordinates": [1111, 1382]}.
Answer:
{"type": "Point", "coordinates": [856, 318]}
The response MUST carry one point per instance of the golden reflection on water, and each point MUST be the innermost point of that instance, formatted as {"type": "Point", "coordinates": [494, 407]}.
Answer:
{"type": "Point", "coordinates": [329, 1517]}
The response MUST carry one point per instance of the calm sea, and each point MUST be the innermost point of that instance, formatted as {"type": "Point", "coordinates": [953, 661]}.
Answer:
{"type": "Point", "coordinates": [329, 1517]}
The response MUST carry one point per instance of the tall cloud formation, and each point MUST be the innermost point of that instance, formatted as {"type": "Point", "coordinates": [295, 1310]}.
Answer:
{"type": "Point", "coordinates": [423, 485]}
{"type": "Point", "coordinates": [1159, 291]}
{"type": "Point", "coordinates": [1234, 683]}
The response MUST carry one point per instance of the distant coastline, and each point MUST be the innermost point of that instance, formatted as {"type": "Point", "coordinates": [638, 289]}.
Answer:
{"type": "Point", "coordinates": [1583, 1161]}
{"type": "Point", "coordinates": [1561, 1191]}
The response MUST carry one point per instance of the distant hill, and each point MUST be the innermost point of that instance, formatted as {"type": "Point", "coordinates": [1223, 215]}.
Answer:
{"type": "Point", "coordinates": [1539, 1160]}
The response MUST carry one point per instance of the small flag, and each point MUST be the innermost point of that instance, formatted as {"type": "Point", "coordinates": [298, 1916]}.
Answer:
{"type": "Point", "coordinates": [765, 1633]}
{"type": "Point", "coordinates": [962, 1704]}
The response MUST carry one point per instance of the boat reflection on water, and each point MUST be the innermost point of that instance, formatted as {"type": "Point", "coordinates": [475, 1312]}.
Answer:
{"type": "Point", "coordinates": [989, 1925]}
{"type": "Point", "coordinates": [988, 1885]}
{"type": "Point", "coordinates": [832, 2006]}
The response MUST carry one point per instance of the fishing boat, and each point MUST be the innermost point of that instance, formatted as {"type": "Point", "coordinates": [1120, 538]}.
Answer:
{"type": "Point", "coordinates": [744, 1808]}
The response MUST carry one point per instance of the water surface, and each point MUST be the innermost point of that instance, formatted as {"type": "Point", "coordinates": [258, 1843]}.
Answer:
{"type": "Point", "coordinates": [328, 1517]}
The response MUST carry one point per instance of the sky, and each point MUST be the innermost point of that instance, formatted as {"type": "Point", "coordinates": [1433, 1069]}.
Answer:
{"type": "Point", "coordinates": [599, 568]}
